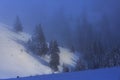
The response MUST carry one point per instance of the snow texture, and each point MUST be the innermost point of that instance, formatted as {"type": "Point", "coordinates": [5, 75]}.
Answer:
{"type": "Point", "coordinates": [15, 60]}
{"type": "Point", "coordinates": [100, 74]}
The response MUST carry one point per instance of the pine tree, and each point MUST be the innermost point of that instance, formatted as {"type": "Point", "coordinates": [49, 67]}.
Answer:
{"type": "Point", "coordinates": [54, 55]}
{"type": "Point", "coordinates": [65, 68]}
{"type": "Point", "coordinates": [80, 65]}
{"type": "Point", "coordinates": [18, 25]}
{"type": "Point", "coordinates": [72, 49]}
{"type": "Point", "coordinates": [85, 37]}
{"type": "Point", "coordinates": [84, 34]}
{"type": "Point", "coordinates": [62, 28]}
{"type": "Point", "coordinates": [98, 54]}
{"type": "Point", "coordinates": [113, 58]}
{"type": "Point", "coordinates": [39, 45]}
{"type": "Point", "coordinates": [106, 32]}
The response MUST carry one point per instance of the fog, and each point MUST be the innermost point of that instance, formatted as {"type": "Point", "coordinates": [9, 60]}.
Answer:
{"type": "Point", "coordinates": [60, 18]}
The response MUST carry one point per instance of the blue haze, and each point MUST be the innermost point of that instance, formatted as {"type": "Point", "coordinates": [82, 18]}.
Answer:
{"type": "Point", "coordinates": [33, 12]}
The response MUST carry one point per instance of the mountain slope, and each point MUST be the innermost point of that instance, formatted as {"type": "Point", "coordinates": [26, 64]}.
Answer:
{"type": "Point", "coordinates": [14, 60]}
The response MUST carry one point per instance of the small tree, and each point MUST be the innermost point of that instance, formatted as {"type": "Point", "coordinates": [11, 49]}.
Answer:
{"type": "Point", "coordinates": [65, 68]}
{"type": "Point", "coordinates": [38, 42]}
{"type": "Point", "coordinates": [80, 65]}
{"type": "Point", "coordinates": [72, 49]}
{"type": "Point", "coordinates": [54, 55]}
{"type": "Point", "coordinates": [18, 26]}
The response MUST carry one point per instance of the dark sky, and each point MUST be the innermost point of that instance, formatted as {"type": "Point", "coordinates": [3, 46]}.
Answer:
{"type": "Point", "coordinates": [32, 12]}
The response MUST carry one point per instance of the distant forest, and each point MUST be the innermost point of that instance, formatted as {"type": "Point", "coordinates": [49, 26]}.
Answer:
{"type": "Point", "coordinates": [98, 43]}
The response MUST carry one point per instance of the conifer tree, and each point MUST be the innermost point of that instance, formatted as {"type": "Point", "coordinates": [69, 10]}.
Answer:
{"type": "Point", "coordinates": [18, 25]}
{"type": "Point", "coordinates": [54, 55]}
{"type": "Point", "coordinates": [38, 42]}
{"type": "Point", "coordinates": [65, 68]}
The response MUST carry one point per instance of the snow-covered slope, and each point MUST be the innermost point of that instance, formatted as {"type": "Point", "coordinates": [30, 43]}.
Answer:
{"type": "Point", "coordinates": [68, 58]}
{"type": "Point", "coordinates": [100, 74]}
{"type": "Point", "coordinates": [15, 60]}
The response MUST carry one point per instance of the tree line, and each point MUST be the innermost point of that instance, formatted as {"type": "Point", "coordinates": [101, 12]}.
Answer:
{"type": "Point", "coordinates": [98, 44]}
{"type": "Point", "coordinates": [38, 45]}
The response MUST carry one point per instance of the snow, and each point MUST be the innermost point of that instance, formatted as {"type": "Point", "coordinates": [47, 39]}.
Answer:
{"type": "Point", "coordinates": [100, 74]}
{"type": "Point", "coordinates": [67, 57]}
{"type": "Point", "coordinates": [15, 60]}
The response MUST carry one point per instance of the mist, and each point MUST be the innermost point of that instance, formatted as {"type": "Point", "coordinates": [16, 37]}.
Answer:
{"type": "Point", "coordinates": [60, 18]}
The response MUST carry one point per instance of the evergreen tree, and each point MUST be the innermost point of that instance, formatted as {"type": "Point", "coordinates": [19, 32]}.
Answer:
{"type": "Point", "coordinates": [65, 68]}
{"type": "Point", "coordinates": [61, 26]}
{"type": "Point", "coordinates": [38, 42]}
{"type": "Point", "coordinates": [84, 34]}
{"type": "Point", "coordinates": [85, 38]}
{"type": "Point", "coordinates": [113, 58]}
{"type": "Point", "coordinates": [80, 65]}
{"type": "Point", "coordinates": [72, 49]}
{"type": "Point", "coordinates": [18, 25]}
{"type": "Point", "coordinates": [98, 54]}
{"type": "Point", "coordinates": [106, 32]}
{"type": "Point", "coordinates": [54, 55]}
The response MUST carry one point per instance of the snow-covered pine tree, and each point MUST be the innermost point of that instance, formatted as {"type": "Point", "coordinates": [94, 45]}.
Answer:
{"type": "Point", "coordinates": [38, 42]}
{"type": "Point", "coordinates": [18, 25]}
{"type": "Point", "coordinates": [54, 55]}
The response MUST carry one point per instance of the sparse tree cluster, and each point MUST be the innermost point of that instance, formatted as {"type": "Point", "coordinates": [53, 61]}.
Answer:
{"type": "Point", "coordinates": [38, 45]}
{"type": "Point", "coordinates": [112, 58]}
{"type": "Point", "coordinates": [98, 43]}
{"type": "Point", "coordinates": [38, 42]}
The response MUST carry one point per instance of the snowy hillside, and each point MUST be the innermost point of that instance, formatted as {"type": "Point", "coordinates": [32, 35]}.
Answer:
{"type": "Point", "coordinates": [100, 74]}
{"type": "Point", "coordinates": [16, 61]}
